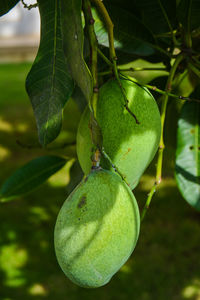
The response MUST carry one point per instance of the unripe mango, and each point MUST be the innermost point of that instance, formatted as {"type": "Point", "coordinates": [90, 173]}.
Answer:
{"type": "Point", "coordinates": [97, 229]}
{"type": "Point", "coordinates": [130, 146]}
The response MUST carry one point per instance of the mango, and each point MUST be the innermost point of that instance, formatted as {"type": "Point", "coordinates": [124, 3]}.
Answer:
{"type": "Point", "coordinates": [96, 229]}
{"type": "Point", "coordinates": [130, 146]}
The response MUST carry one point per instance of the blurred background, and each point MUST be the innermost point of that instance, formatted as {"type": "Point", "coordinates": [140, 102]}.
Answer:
{"type": "Point", "coordinates": [165, 263]}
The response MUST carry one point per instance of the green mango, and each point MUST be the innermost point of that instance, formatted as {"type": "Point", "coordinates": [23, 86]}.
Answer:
{"type": "Point", "coordinates": [130, 146]}
{"type": "Point", "coordinates": [96, 229]}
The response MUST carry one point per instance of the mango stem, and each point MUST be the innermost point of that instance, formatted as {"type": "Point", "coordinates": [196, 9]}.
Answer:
{"type": "Point", "coordinates": [168, 88]}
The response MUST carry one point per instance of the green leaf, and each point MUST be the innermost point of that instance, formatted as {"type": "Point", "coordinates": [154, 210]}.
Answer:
{"type": "Point", "coordinates": [131, 36]}
{"type": "Point", "coordinates": [76, 175]}
{"type": "Point", "coordinates": [30, 176]}
{"type": "Point", "coordinates": [187, 169]}
{"type": "Point", "coordinates": [73, 39]}
{"type": "Point", "coordinates": [6, 5]}
{"type": "Point", "coordinates": [189, 14]}
{"type": "Point", "coordinates": [49, 83]}
{"type": "Point", "coordinates": [79, 98]}
{"type": "Point", "coordinates": [157, 14]}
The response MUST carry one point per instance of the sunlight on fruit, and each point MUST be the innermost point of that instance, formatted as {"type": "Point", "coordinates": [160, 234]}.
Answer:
{"type": "Point", "coordinates": [5, 126]}
{"type": "Point", "coordinates": [4, 153]}
{"type": "Point", "coordinates": [37, 290]}
{"type": "Point", "coordinates": [192, 291]}
{"type": "Point", "coordinates": [62, 178]}
{"type": "Point", "coordinates": [12, 259]}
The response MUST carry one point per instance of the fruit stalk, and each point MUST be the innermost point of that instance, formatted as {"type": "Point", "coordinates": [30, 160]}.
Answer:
{"type": "Point", "coordinates": [168, 88]}
{"type": "Point", "coordinates": [113, 57]}
{"type": "Point", "coordinates": [89, 24]}
{"type": "Point", "coordinates": [95, 129]}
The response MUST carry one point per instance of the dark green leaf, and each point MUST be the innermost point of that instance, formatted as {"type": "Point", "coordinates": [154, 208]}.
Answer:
{"type": "Point", "coordinates": [73, 45]}
{"type": "Point", "coordinates": [30, 176]}
{"type": "Point", "coordinates": [131, 36]}
{"type": "Point", "coordinates": [49, 83]}
{"type": "Point", "coordinates": [189, 14]}
{"type": "Point", "coordinates": [76, 175]}
{"type": "Point", "coordinates": [188, 154]}
{"type": "Point", "coordinates": [6, 5]}
{"type": "Point", "coordinates": [79, 98]}
{"type": "Point", "coordinates": [157, 14]}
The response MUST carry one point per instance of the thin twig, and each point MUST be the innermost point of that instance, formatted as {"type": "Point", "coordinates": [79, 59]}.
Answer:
{"type": "Point", "coordinates": [169, 23]}
{"type": "Point", "coordinates": [162, 145]}
{"type": "Point", "coordinates": [113, 57]}
{"type": "Point", "coordinates": [137, 69]}
{"type": "Point", "coordinates": [155, 89]}
{"type": "Point", "coordinates": [95, 129]}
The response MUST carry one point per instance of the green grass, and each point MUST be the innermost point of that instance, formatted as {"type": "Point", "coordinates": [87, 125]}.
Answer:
{"type": "Point", "coordinates": [12, 83]}
{"type": "Point", "coordinates": [165, 264]}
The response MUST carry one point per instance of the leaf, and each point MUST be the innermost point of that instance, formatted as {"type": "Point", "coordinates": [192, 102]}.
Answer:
{"type": "Point", "coordinates": [187, 169]}
{"type": "Point", "coordinates": [150, 13]}
{"type": "Point", "coordinates": [79, 98]}
{"type": "Point", "coordinates": [49, 83]}
{"type": "Point", "coordinates": [157, 14]}
{"type": "Point", "coordinates": [30, 176]}
{"type": "Point", "coordinates": [6, 5]}
{"type": "Point", "coordinates": [131, 36]}
{"type": "Point", "coordinates": [194, 12]}
{"type": "Point", "coordinates": [76, 175]}
{"type": "Point", "coordinates": [73, 39]}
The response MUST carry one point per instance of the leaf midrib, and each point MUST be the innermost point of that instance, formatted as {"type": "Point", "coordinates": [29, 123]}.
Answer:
{"type": "Point", "coordinates": [53, 67]}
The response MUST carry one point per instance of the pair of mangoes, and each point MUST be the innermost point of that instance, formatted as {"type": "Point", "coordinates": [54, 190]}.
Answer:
{"type": "Point", "coordinates": [98, 225]}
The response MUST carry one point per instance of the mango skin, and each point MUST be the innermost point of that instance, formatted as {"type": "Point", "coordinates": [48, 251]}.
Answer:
{"type": "Point", "coordinates": [130, 146]}
{"type": "Point", "coordinates": [96, 229]}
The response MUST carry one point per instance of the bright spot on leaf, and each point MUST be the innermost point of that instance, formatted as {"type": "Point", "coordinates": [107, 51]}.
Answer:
{"type": "Point", "coordinates": [192, 291]}
{"type": "Point", "coordinates": [12, 259]}
{"type": "Point", "coordinates": [40, 213]}
{"type": "Point", "coordinates": [37, 290]}
{"type": "Point", "coordinates": [4, 153]}
{"type": "Point", "coordinates": [125, 269]}
{"type": "Point", "coordinates": [62, 177]}
{"type": "Point", "coordinates": [146, 183]}
{"type": "Point", "coordinates": [11, 235]}
{"type": "Point", "coordinates": [5, 126]}
{"type": "Point", "coordinates": [22, 127]}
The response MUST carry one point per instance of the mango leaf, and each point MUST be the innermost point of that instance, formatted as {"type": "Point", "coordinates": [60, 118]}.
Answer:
{"type": "Point", "coordinates": [49, 83]}
{"type": "Point", "coordinates": [76, 175]}
{"type": "Point", "coordinates": [79, 98]}
{"type": "Point", "coordinates": [131, 36]}
{"type": "Point", "coordinates": [187, 169]}
{"type": "Point", "coordinates": [157, 14]}
{"type": "Point", "coordinates": [188, 13]}
{"type": "Point", "coordinates": [150, 12]}
{"type": "Point", "coordinates": [30, 176]}
{"type": "Point", "coordinates": [73, 39]}
{"type": "Point", "coordinates": [6, 5]}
